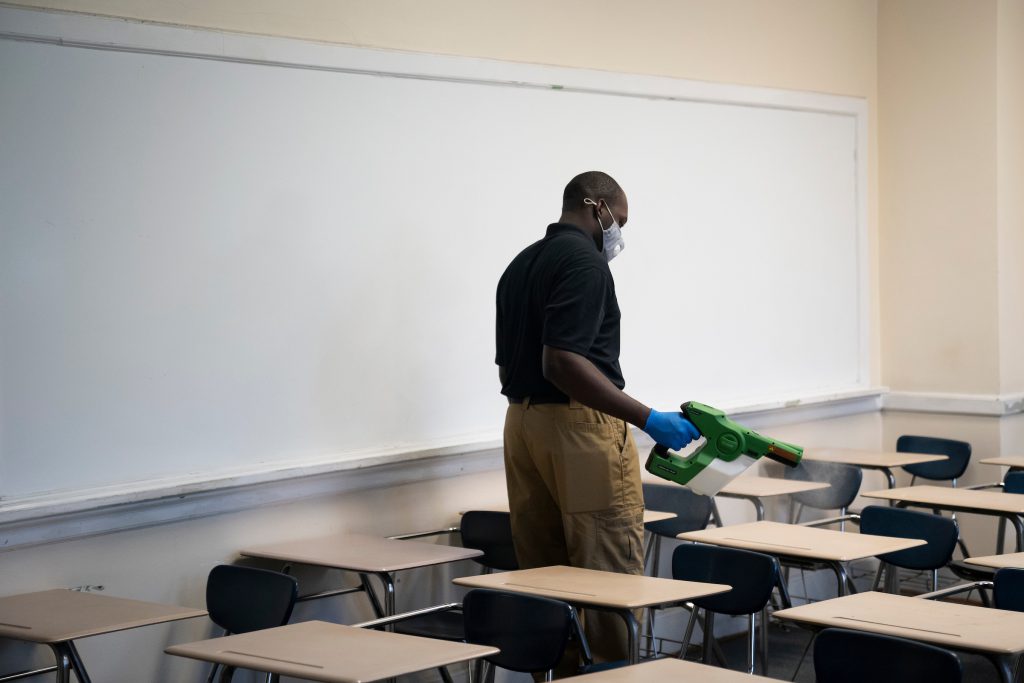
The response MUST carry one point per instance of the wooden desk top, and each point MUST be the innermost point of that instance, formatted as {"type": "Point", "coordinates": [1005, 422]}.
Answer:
{"type": "Point", "coordinates": [949, 624]}
{"type": "Point", "coordinates": [592, 587]}
{"type": "Point", "coordinates": [949, 498]}
{"type": "Point", "coordinates": [801, 541]}
{"type": "Point", "coordinates": [869, 459]}
{"type": "Point", "coordinates": [321, 651]}
{"type": "Point", "coordinates": [1006, 461]}
{"type": "Point", "coordinates": [765, 487]}
{"type": "Point", "coordinates": [1011, 560]}
{"type": "Point", "coordinates": [661, 670]}
{"type": "Point", "coordinates": [59, 615]}
{"type": "Point", "coordinates": [359, 553]}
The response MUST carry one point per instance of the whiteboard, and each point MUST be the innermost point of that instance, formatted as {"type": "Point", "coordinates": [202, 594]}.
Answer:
{"type": "Point", "coordinates": [210, 265]}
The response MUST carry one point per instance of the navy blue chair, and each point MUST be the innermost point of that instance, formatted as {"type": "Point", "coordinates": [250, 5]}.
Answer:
{"type": "Point", "coordinates": [532, 632]}
{"type": "Point", "coordinates": [958, 455]}
{"type": "Point", "coordinates": [843, 656]}
{"type": "Point", "coordinates": [844, 484]}
{"type": "Point", "coordinates": [1008, 590]}
{"type": "Point", "coordinates": [752, 576]}
{"type": "Point", "coordinates": [692, 513]}
{"type": "Point", "coordinates": [939, 533]}
{"type": "Point", "coordinates": [485, 530]}
{"type": "Point", "coordinates": [245, 599]}
{"type": "Point", "coordinates": [1012, 483]}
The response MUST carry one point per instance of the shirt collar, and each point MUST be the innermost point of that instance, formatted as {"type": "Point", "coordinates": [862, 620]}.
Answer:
{"type": "Point", "coordinates": [568, 228]}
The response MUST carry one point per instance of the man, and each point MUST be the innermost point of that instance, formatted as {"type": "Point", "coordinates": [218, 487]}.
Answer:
{"type": "Point", "coordinates": [571, 465]}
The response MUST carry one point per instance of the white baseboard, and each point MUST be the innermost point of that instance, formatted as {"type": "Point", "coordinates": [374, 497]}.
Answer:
{"type": "Point", "coordinates": [993, 405]}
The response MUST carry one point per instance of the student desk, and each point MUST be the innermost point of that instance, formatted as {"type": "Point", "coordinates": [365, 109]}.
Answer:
{"type": "Point", "coordinates": [662, 670]}
{"type": "Point", "coordinates": [1014, 462]}
{"type": "Point", "coordinates": [322, 651]}
{"type": "Point", "coordinates": [58, 617]}
{"type": "Point", "coordinates": [755, 488]}
{"type": "Point", "coordinates": [1009, 506]}
{"type": "Point", "coordinates": [364, 555]}
{"type": "Point", "coordinates": [795, 542]}
{"type": "Point", "coordinates": [882, 461]}
{"type": "Point", "coordinates": [1009, 560]}
{"type": "Point", "coordinates": [997, 634]}
{"type": "Point", "coordinates": [618, 593]}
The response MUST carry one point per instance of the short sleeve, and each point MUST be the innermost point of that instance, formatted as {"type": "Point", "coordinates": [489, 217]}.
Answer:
{"type": "Point", "coordinates": [575, 308]}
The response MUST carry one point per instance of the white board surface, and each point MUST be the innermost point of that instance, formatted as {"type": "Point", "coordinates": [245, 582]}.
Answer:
{"type": "Point", "coordinates": [206, 266]}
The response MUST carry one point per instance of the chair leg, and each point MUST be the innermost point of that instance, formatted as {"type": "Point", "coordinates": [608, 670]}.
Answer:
{"type": "Point", "coordinates": [807, 647]}
{"type": "Point", "coordinates": [213, 673]}
{"type": "Point", "coordinates": [709, 628]}
{"type": "Point", "coordinates": [226, 674]}
{"type": "Point", "coordinates": [688, 634]}
{"type": "Point", "coordinates": [445, 676]}
{"type": "Point", "coordinates": [764, 642]}
{"type": "Point", "coordinates": [878, 576]}
{"type": "Point", "coordinates": [751, 639]}
{"type": "Point", "coordinates": [892, 579]}
{"type": "Point", "coordinates": [710, 643]}
{"type": "Point", "coordinates": [935, 580]}
{"type": "Point", "coordinates": [649, 628]}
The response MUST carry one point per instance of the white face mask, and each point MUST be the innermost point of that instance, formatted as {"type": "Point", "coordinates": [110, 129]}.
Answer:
{"type": "Point", "coordinates": [613, 243]}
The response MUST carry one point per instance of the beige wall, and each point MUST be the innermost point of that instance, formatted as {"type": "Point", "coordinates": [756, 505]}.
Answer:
{"type": "Point", "coordinates": [1010, 204]}
{"type": "Point", "coordinates": [937, 188]}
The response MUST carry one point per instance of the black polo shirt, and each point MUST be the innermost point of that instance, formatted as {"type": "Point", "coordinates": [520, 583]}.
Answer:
{"type": "Point", "coordinates": [557, 292]}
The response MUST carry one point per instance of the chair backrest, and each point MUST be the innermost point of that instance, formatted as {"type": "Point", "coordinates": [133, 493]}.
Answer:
{"type": "Point", "coordinates": [490, 532]}
{"type": "Point", "coordinates": [693, 511]}
{"type": "Point", "coordinates": [1013, 482]}
{"type": "Point", "coordinates": [958, 452]}
{"type": "Point", "coordinates": [751, 575]}
{"type": "Point", "coordinates": [530, 631]}
{"type": "Point", "coordinates": [939, 533]}
{"type": "Point", "coordinates": [843, 656]}
{"type": "Point", "coordinates": [844, 484]}
{"type": "Point", "coordinates": [1009, 589]}
{"type": "Point", "coordinates": [243, 599]}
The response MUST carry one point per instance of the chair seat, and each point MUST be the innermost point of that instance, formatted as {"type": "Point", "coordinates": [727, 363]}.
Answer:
{"type": "Point", "coordinates": [603, 666]}
{"type": "Point", "coordinates": [971, 572]}
{"type": "Point", "coordinates": [440, 625]}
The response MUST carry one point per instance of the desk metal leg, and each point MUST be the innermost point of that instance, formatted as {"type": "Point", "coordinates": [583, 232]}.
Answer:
{"type": "Point", "coordinates": [76, 663]}
{"type": "Point", "coordinates": [758, 507]}
{"type": "Point", "coordinates": [715, 516]}
{"type": "Point", "coordinates": [633, 630]}
{"type": "Point", "coordinates": [890, 477]}
{"type": "Point", "coordinates": [1006, 665]}
{"type": "Point", "coordinates": [389, 592]}
{"type": "Point", "coordinates": [842, 579]}
{"type": "Point", "coordinates": [378, 611]}
{"type": "Point", "coordinates": [1018, 527]}
{"type": "Point", "coordinates": [63, 662]}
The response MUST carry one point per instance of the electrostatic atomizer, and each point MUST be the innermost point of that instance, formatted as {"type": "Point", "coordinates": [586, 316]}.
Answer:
{"type": "Point", "coordinates": [729, 449]}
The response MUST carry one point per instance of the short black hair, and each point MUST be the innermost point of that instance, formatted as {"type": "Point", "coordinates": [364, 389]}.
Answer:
{"type": "Point", "coordinates": [593, 185]}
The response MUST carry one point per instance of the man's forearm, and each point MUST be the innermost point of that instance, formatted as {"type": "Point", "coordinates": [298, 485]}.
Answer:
{"type": "Point", "coordinates": [580, 379]}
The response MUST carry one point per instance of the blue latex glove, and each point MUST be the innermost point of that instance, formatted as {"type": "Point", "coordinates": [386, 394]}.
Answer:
{"type": "Point", "coordinates": [671, 430]}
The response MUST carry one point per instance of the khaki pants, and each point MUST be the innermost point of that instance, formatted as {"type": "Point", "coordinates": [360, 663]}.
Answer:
{"type": "Point", "coordinates": [573, 477]}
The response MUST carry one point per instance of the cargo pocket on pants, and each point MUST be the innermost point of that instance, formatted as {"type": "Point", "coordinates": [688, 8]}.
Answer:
{"type": "Point", "coordinates": [588, 466]}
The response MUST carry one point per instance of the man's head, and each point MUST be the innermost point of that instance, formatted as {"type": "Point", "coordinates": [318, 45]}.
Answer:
{"type": "Point", "coordinates": [607, 203]}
